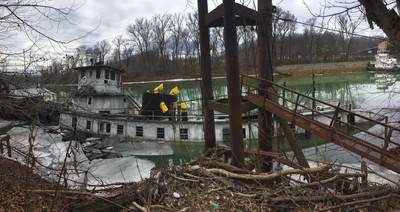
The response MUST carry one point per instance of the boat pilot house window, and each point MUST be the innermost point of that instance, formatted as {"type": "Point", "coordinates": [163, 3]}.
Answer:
{"type": "Point", "coordinates": [105, 126]}
{"type": "Point", "coordinates": [108, 128]}
{"type": "Point", "coordinates": [112, 75]}
{"type": "Point", "coordinates": [98, 74]}
{"type": "Point", "coordinates": [88, 125]}
{"type": "Point", "coordinates": [120, 129]}
{"type": "Point", "coordinates": [101, 126]}
{"type": "Point", "coordinates": [161, 133]}
{"type": "Point", "coordinates": [139, 131]}
{"type": "Point", "coordinates": [184, 133]}
{"type": "Point", "coordinates": [82, 74]}
{"type": "Point", "coordinates": [107, 75]}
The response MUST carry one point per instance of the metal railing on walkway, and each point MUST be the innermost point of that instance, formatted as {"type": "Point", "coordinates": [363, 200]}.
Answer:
{"type": "Point", "coordinates": [372, 141]}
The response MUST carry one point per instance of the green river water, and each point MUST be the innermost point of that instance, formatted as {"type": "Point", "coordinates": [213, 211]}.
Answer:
{"type": "Point", "coordinates": [353, 88]}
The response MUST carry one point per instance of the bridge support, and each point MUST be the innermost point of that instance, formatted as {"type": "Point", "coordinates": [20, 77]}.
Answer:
{"type": "Point", "coordinates": [228, 15]}
{"type": "Point", "coordinates": [233, 83]}
{"type": "Point", "coordinates": [206, 79]}
{"type": "Point", "coordinates": [264, 67]}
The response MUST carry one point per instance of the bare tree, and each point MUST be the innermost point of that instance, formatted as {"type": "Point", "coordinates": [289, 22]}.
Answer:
{"type": "Point", "coordinates": [283, 28]}
{"type": "Point", "coordinates": [127, 52]}
{"type": "Point", "coordinates": [193, 27]}
{"type": "Point", "coordinates": [291, 35]}
{"type": "Point", "coordinates": [348, 27]}
{"type": "Point", "coordinates": [83, 54]}
{"type": "Point", "coordinates": [187, 43]}
{"type": "Point", "coordinates": [35, 23]}
{"type": "Point", "coordinates": [177, 29]}
{"type": "Point", "coordinates": [309, 33]}
{"type": "Point", "coordinates": [161, 27]}
{"type": "Point", "coordinates": [102, 48]}
{"type": "Point", "coordinates": [31, 17]}
{"type": "Point", "coordinates": [142, 36]}
{"type": "Point", "coordinates": [216, 44]}
{"type": "Point", "coordinates": [387, 19]}
{"type": "Point", "coordinates": [118, 45]}
{"type": "Point", "coordinates": [248, 36]}
{"type": "Point", "coordinates": [381, 12]}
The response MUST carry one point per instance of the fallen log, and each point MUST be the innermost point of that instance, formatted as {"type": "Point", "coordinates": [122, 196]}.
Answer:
{"type": "Point", "coordinates": [262, 177]}
{"type": "Point", "coordinates": [329, 180]}
{"type": "Point", "coordinates": [139, 207]}
{"type": "Point", "coordinates": [225, 166]}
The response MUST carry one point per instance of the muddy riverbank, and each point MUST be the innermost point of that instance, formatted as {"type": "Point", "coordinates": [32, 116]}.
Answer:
{"type": "Point", "coordinates": [285, 70]}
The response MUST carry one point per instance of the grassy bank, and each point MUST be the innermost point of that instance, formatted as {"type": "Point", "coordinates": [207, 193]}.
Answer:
{"type": "Point", "coordinates": [323, 68]}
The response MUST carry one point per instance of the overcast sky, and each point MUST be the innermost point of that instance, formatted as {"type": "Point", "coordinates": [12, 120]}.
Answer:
{"type": "Point", "coordinates": [105, 19]}
{"type": "Point", "coordinates": [113, 16]}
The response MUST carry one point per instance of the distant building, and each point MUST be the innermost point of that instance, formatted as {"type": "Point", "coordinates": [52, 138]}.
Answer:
{"type": "Point", "coordinates": [384, 58]}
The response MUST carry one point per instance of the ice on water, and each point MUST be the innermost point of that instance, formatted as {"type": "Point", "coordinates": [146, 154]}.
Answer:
{"type": "Point", "coordinates": [50, 151]}
{"type": "Point", "coordinates": [333, 153]}
{"type": "Point", "coordinates": [117, 170]}
{"type": "Point", "coordinates": [143, 148]}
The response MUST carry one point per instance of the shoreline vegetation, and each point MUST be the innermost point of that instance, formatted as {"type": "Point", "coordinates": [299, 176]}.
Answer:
{"type": "Point", "coordinates": [283, 70]}
{"type": "Point", "coordinates": [297, 70]}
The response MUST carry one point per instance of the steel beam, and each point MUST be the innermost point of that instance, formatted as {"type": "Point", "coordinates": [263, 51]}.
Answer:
{"type": "Point", "coordinates": [233, 83]}
{"type": "Point", "coordinates": [243, 16]}
{"type": "Point", "coordinates": [239, 21]}
{"type": "Point", "coordinates": [215, 15]}
{"type": "Point", "coordinates": [325, 132]}
{"type": "Point", "coordinates": [264, 67]}
{"type": "Point", "coordinates": [206, 82]}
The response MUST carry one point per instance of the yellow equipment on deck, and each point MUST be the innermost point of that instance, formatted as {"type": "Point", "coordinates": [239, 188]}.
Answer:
{"type": "Point", "coordinates": [163, 107]}
{"type": "Point", "coordinates": [159, 88]}
{"type": "Point", "coordinates": [174, 91]}
{"type": "Point", "coordinates": [183, 106]}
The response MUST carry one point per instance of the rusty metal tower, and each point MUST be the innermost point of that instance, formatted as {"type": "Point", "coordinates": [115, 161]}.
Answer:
{"type": "Point", "coordinates": [229, 15]}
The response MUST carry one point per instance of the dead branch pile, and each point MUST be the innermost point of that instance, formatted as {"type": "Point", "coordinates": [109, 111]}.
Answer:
{"type": "Point", "coordinates": [208, 184]}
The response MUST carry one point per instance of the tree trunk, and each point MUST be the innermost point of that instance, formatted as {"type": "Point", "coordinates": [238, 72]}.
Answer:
{"type": "Point", "coordinates": [387, 20]}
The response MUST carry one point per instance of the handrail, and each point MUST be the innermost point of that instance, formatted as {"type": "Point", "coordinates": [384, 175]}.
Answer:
{"type": "Point", "coordinates": [317, 100]}
{"type": "Point", "coordinates": [327, 116]}
{"type": "Point", "coordinates": [385, 139]}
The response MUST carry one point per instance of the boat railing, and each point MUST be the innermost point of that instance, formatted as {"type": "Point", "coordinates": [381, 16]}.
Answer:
{"type": "Point", "coordinates": [175, 115]}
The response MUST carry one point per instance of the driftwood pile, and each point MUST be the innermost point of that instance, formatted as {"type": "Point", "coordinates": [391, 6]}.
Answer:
{"type": "Point", "coordinates": [209, 184]}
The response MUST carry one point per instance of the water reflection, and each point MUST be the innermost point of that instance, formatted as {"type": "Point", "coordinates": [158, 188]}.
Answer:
{"type": "Point", "coordinates": [352, 88]}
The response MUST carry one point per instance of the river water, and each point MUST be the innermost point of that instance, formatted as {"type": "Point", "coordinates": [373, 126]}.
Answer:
{"type": "Point", "coordinates": [366, 91]}
{"type": "Point", "coordinates": [354, 88]}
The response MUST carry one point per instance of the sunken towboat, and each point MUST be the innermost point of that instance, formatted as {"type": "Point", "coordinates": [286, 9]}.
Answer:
{"type": "Point", "coordinates": [99, 107]}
